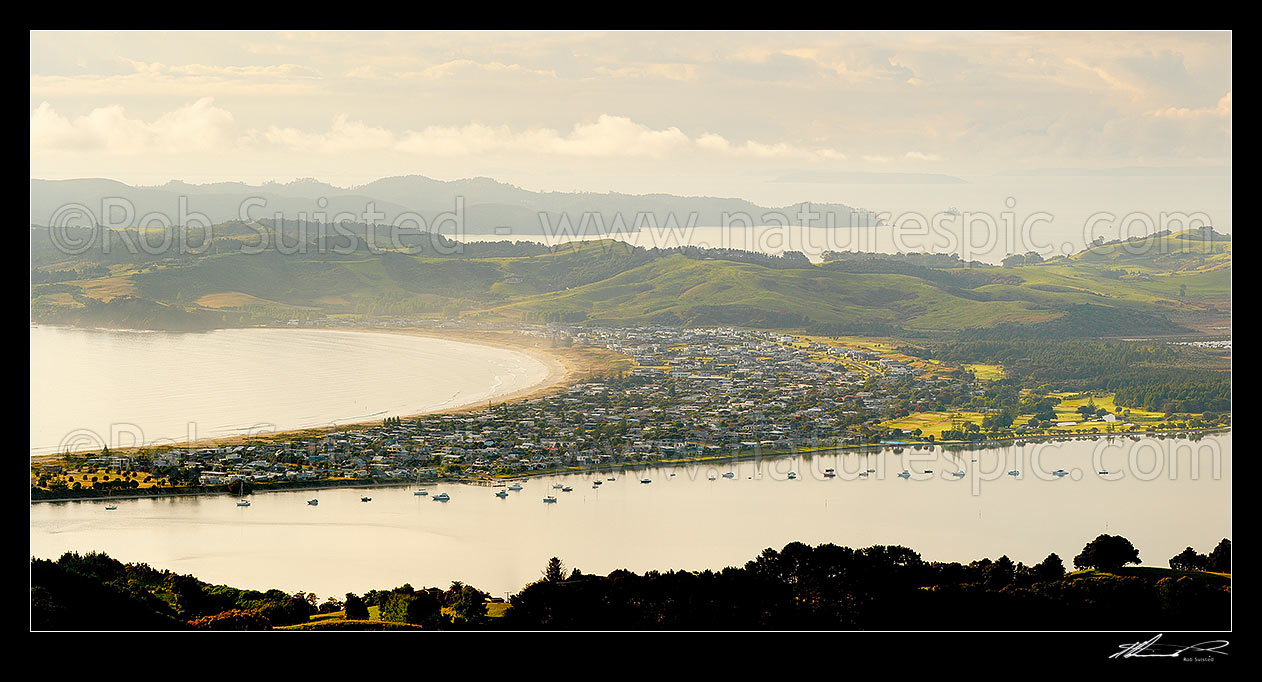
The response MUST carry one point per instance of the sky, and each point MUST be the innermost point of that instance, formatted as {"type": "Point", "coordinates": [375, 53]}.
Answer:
{"type": "Point", "coordinates": [620, 111]}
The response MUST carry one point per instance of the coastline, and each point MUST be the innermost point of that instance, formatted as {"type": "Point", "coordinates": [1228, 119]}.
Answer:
{"type": "Point", "coordinates": [565, 366]}
{"type": "Point", "coordinates": [617, 466]}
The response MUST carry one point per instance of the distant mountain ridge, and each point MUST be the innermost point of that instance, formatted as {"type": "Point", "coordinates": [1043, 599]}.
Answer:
{"type": "Point", "coordinates": [483, 205]}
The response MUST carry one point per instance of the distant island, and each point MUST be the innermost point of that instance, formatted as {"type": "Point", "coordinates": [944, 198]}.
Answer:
{"type": "Point", "coordinates": [483, 206]}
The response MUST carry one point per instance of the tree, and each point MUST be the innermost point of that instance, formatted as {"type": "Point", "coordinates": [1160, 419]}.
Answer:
{"type": "Point", "coordinates": [1107, 553]}
{"type": "Point", "coordinates": [1189, 560]}
{"type": "Point", "coordinates": [1220, 558]}
{"type": "Point", "coordinates": [467, 603]}
{"type": "Point", "coordinates": [1051, 568]}
{"type": "Point", "coordinates": [1000, 573]}
{"type": "Point", "coordinates": [555, 572]}
{"type": "Point", "coordinates": [355, 608]}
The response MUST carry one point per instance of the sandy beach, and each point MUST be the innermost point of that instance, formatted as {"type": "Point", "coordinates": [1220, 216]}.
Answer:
{"type": "Point", "coordinates": [565, 365]}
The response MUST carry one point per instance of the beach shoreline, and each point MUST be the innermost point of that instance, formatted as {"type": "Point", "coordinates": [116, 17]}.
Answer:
{"type": "Point", "coordinates": [565, 366]}
{"type": "Point", "coordinates": [727, 457]}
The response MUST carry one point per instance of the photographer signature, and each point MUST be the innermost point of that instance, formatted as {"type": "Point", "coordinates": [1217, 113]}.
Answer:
{"type": "Point", "coordinates": [1151, 649]}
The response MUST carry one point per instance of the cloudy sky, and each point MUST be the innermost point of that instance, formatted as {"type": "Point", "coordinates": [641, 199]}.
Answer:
{"type": "Point", "coordinates": [619, 111]}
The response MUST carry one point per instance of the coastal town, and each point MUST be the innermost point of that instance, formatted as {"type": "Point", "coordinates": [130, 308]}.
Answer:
{"type": "Point", "coordinates": [686, 395]}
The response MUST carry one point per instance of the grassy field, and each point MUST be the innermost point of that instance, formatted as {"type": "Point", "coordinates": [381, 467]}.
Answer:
{"type": "Point", "coordinates": [986, 372]}
{"type": "Point", "coordinates": [1152, 572]}
{"type": "Point", "coordinates": [1067, 409]}
{"type": "Point", "coordinates": [932, 423]}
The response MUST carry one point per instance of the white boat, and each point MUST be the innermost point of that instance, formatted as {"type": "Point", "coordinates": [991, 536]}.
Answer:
{"type": "Point", "coordinates": [792, 475]}
{"type": "Point", "coordinates": [421, 492]}
{"type": "Point", "coordinates": [441, 497]}
{"type": "Point", "coordinates": [243, 503]}
{"type": "Point", "coordinates": [313, 502]}
{"type": "Point", "coordinates": [829, 474]}
{"type": "Point", "coordinates": [958, 474]}
{"type": "Point", "coordinates": [558, 486]}
{"type": "Point", "coordinates": [502, 494]}
{"type": "Point", "coordinates": [550, 499]}
{"type": "Point", "coordinates": [111, 507]}
{"type": "Point", "coordinates": [597, 482]}
{"type": "Point", "coordinates": [515, 487]}
{"type": "Point", "coordinates": [567, 489]}
{"type": "Point", "coordinates": [611, 478]}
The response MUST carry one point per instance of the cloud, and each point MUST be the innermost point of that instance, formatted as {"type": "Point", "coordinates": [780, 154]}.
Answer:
{"type": "Point", "coordinates": [674, 72]}
{"type": "Point", "coordinates": [922, 156]}
{"type": "Point", "coordinates": [200, 126]}
{"type": "Point", "coordinates": [1221, 110]}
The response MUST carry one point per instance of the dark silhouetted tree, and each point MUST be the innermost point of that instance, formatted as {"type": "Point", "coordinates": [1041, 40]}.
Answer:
{"type": "Point", "coordinates": [1107, 553]}
{"type": "Point", "coordinates": [555, 571]}
{"type": "Point", "coordinates": [1051, 568]}
{"type": "Point", "coordinates": [1189, 560]}
{"type": "Point", "coordinates": [355, 608]}
{"type": "Point", "coordinates": [1220, 558]}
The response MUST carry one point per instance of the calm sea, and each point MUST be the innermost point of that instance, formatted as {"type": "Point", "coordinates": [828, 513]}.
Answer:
{"type": "Point", "coordinates": [1163, 495]}
{"type": "Point", "coordinates": [121, 388]}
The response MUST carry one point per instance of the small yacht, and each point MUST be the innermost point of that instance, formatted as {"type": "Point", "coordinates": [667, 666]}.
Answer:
{"type": "Point", "coordinates": [567, 489]}
{"type": "Point", "coordinates": [558, 486]}
{"type": "Point", "coordinates": [729, 475]}
{"type": "Point", "coordinates": [1103, 473]}
{"type": "Point", "coordinates": [646, 480]}
{"type": "Point", "coordinates": [1060, 473]}
{"type": "Point", "coordinates": [502, 494]}
{"type": "Point", "coordinates": [313, 502]}
{"type": "Point", "coordinates": [714, 478]}
{"type": "Point", "coordinates": [928, 471]}
{"type": "Point", "coordinates": [441, 497]}
{"type": "Point", "coordinates": [792, 475]}
{"type": "Point", "coordinates": [1014, 472]}
{"type": "Point", "coordinates": [550, 499]}
{"type": "Point", "coordinates": [611, 478]}
{"type": "Point", "coordinates": [421, 492]}
{"type": "Point", "coordinates": [595, 486]}
{"type": "Point", "coordinates": [829, 474]}
{"type": "Point", "coordinates": [871, 471]}
{"type": "Point", "coordinates": [905, 474]}
{"type": "Point", "coordinates": [598, 482]}
{"type": "Point", "coordinates": [515, 487]}
{"type": "Point", "coordinates": [863, 474]}
{"type": "Point", "coordinates": [958, 474]}
{"type": "Point", "coordinates": [243, 503]}
{"type": "Point", "coordinates": [111, 507]}
{"type": "Point", "coordinates": [365, 499]}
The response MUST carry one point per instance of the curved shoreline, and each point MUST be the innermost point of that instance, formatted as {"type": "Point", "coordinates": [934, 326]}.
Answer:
{"type": "Point", "coordinates": [622, 466]}
{"type": "Point", "coordinates": [564, 366]}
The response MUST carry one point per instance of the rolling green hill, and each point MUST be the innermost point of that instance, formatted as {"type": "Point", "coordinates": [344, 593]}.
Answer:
{"type": "Point", "coordinates": [1160, 285]}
